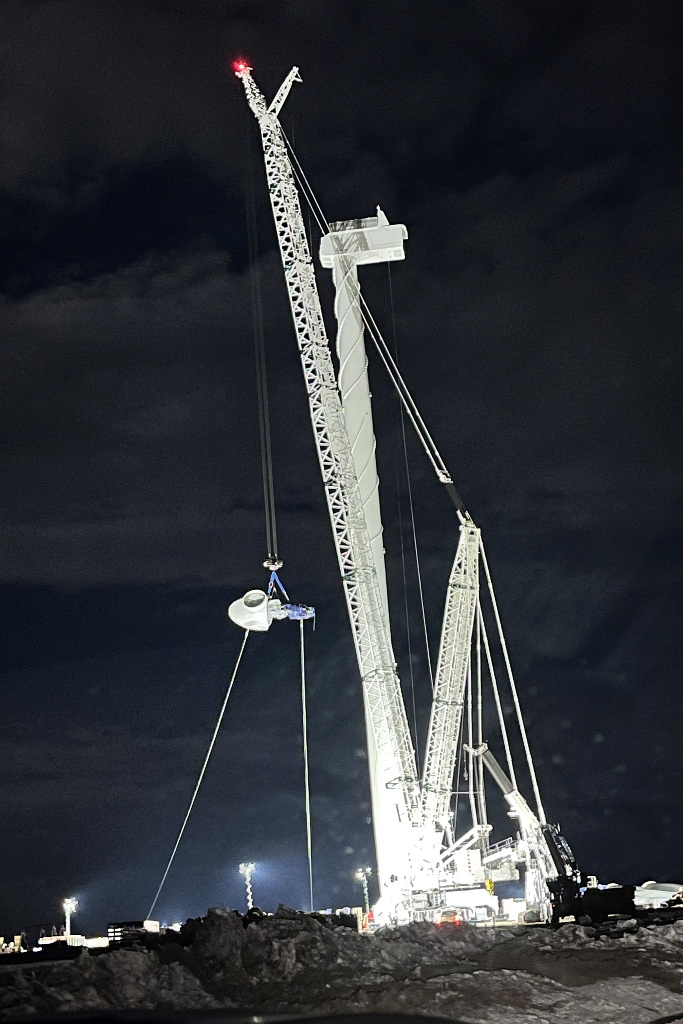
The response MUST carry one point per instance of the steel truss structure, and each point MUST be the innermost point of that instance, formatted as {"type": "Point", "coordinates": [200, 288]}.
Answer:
{"type": "Point", "coordinates": [418, 856]}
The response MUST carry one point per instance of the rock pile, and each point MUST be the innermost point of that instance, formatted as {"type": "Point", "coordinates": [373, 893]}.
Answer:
{"type": "Point", "coordinates": [295, 963]}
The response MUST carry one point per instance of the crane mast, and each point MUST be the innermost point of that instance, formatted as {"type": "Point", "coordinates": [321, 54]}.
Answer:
{"type": "Point", "coordinates": [395, 765]}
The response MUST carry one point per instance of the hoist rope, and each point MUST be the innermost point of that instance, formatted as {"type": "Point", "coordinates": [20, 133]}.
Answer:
{"type": "Point", "coordinates": [201, 774]}
{"type": "Point", "coordinates": [304, 725]}
{"type": "Point", "coordinates": [260, 356]}
{"type": "Point", "coordinates": [483, 815]}
{"type": "Point", "coordinates": [511, 679]}
{"type": "Point", "coordinates": [402, 548]}
{"type": "Point", "coordinates": [472, 778]}
{"type": "Point", "coordinates": [407, 616]}
{"type": "Point", "coordinates": [499, 706]}
{"type": "Point", "coordinates": [411, 506]}
{"type": "Point", "coordinates": [461, 743]}
{"type": "Point", "coordinates": [425, 437]}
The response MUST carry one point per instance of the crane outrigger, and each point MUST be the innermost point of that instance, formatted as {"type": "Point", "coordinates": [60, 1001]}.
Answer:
{"type": "Point", "coordinates": [424, 869]}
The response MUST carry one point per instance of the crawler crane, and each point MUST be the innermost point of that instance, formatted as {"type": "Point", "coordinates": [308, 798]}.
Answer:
{"type": "Point", "coordinates": [424, 870]}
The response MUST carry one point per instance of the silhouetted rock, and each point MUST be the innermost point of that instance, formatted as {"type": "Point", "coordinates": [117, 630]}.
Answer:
{"type": "Point", "coordinates": [300, 963]}
{"type": "Point", "coordinates": [215, 954]}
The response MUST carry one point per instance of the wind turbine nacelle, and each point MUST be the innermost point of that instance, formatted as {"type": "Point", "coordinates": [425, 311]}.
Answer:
{"type": "Point", "coordinates": [367, 240]}
{"type": "Point", "coordinates": [255, 611]}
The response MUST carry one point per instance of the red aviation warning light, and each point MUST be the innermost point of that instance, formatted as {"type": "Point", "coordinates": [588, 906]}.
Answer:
{"type": "Point", "coordinates": [240, 66]}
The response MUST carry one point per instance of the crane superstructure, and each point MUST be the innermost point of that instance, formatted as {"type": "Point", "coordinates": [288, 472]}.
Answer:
{"type": "Point", "coordinates": [422, 865]}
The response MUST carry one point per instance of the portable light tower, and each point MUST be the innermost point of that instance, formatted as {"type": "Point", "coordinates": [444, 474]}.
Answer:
{"type": "Point", "coordinates": [247, 870]}
{"type": "Point", "coordinates": [362, 875]}
{"type": "Point", "coordinates": [70, 905]}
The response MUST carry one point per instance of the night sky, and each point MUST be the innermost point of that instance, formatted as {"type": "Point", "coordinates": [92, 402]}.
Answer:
{"type": "Point", "coordinates": [533, 149]}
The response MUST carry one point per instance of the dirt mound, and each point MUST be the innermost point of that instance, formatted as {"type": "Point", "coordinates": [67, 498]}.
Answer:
{"type": "Point", "coordinates": [297, 963]}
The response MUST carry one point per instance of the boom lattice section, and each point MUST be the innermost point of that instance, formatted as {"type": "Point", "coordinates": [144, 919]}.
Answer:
{"type": "Point", "coordinates": [384, 702]}
{"type": "Point", "coordinates": [450, 681]}
{"type": "Point", "coordinates": [418, 855]}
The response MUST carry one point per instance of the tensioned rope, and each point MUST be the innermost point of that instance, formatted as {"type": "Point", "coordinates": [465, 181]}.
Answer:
{"type": "Point", "coordinates": [304, 725]}
{"type": "Point", "coordinates": [406, 612]}
{"type": "Point", "coordinates": [513, 688]}
{"type": "Point", "coordinates": [410, 504]}
{"type": "Point", "coordinates": [260, 356]}
{"type": "Point", "coordinates": [413, 412]}
{"type": "Point", "coordinates": [201, 774]}
{"type": "Point", "coordinates": [481, 790]}
{"type": "Point", "coordinates": [499, 706]}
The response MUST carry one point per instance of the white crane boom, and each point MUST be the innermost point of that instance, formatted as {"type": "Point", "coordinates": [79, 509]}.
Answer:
{"type": "Point", "coordinates": [536, 838]}
{"type": "Point", "coordinates": [396, 764]}
{"type": "Point", "coordinates": [419, 860]}
{"type": "Point", "coordinates": [449, 686]}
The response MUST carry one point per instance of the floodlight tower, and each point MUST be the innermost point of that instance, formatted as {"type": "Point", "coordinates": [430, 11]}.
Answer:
{"type": "Point", "coordinates": [247, 870]}
{"type": "Point", "coordinates": [362, 875]}
{"type": "Point", "coordinates": [70, 905]}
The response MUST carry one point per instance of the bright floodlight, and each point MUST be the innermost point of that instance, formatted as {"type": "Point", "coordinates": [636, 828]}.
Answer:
{"type": "Point", "coordinates": [247, 870]}
{"type": "Point", "coordinates": [361, 875]}
{"type": "Point", "coordinates": [70, 905]}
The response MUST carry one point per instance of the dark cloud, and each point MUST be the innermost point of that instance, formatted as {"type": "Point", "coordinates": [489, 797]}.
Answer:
{"type": "Point", "coordinates": [94, 221]}
{"type": "Point", "coordinates": [534, 153]}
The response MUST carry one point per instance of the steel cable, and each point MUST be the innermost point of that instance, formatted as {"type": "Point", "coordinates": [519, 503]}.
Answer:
{"type": "Point", "coordinates": [260, 357]}
{"type": "Point", "coordinates": [201, 774]}
{"type": "Point", "coordinates": [307, 787]}
{"type": "Point", "coordinates": [385, 355]}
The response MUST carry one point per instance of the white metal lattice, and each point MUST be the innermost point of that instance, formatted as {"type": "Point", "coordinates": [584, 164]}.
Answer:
{"type": "Point", "coordinates": [384, 701]}
{"type": "Point", "coordinates": [450, 681]}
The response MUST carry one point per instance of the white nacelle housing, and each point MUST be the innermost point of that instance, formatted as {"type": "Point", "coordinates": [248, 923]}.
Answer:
{"type": "Point", "coordinates": [255, 611]}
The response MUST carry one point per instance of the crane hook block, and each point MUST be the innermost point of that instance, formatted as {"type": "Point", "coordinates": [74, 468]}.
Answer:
{"type": "Point", "coordinates": [256, 611]}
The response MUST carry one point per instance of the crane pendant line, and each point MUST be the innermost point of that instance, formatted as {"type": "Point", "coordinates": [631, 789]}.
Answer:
{"type": "Point", "coordinates": [402, 391]}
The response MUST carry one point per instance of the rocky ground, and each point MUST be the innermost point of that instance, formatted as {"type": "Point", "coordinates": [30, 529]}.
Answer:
{"type": "Point", "coordinates": [627, 971]}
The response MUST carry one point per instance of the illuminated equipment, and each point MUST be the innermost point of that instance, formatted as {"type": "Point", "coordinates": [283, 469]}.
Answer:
{"type": "Point", "coordinates": [361, 875]}
{"type": "Point", "coordinates": [247, 870]}
{"type": "Point", "coordinates": [129, 932]}
{"type": "Point", "coordinates": [70, 906]}
{"type": "Point", "coordinates": [424, 867]}
{"type": "Point", "coordinates": [258, 609]}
